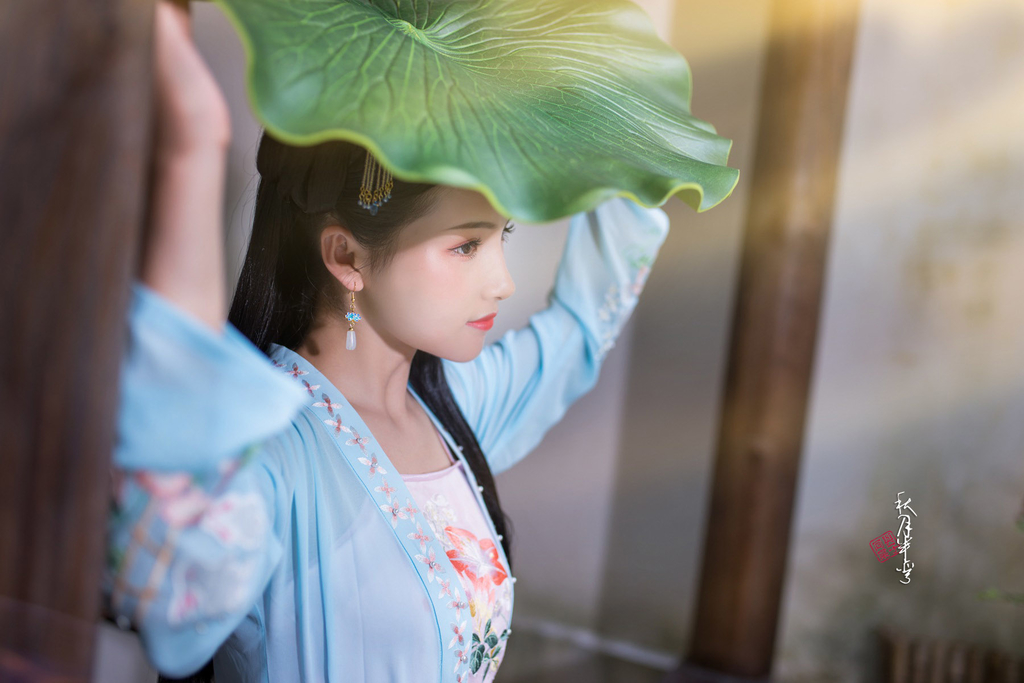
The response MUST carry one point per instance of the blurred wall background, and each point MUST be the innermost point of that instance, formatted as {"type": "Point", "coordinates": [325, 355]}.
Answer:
{"type": "Point", "coordinates": [919, 385]}
{"type": "Point", "coordinates": [920, 378]}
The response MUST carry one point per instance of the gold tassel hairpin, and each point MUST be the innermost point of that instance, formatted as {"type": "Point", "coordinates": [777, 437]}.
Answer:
{"type": "Point", "coordinates": [377, 184]}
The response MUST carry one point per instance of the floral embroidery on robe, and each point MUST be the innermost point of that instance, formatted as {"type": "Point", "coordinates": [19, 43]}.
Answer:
{"type": "Point", "coordinates": [485, 591]}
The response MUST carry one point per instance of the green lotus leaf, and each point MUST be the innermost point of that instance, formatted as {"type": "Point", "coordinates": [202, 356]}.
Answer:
{"type": "Point", "coordinates": [547, 107]}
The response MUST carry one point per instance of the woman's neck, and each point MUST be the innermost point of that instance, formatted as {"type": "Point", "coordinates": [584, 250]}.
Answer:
{"type": "Point", "coordinates": [374, 376]}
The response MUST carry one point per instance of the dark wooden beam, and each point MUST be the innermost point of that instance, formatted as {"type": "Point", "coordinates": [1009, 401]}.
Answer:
{"type": "Point", "coordinates": [772, 348]}
{"type": "Point", "coordinates": [74, 155]}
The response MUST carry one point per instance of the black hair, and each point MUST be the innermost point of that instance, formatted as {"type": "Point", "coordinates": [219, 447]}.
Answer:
{"type": "Point", "coordinates": [283, 280]}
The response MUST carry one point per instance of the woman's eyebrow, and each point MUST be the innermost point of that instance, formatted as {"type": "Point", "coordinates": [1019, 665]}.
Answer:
{"type": "Point", "coordinates": [473, 224]}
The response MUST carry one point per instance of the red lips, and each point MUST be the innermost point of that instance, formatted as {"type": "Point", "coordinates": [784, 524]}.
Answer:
{"type": "Point", "coordinates": [484, 323]}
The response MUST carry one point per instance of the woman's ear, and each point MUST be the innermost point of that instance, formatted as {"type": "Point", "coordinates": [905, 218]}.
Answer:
{"type": "Point", "coordinates": [341, 253]}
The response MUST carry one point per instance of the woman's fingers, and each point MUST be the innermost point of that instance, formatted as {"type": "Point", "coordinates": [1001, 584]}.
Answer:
{"type": "Point", "coordinates": [190, 108]}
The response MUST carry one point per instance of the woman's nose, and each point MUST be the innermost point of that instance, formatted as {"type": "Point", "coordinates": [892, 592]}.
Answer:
{"type": "Point", "coordinates": [506, 286]}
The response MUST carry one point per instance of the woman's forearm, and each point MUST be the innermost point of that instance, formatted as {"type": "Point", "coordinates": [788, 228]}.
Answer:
{"type": "Point", "coordinates": [184, 255]}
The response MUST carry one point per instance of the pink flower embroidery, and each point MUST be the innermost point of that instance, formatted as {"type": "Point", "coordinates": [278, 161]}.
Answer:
{"type": "Point", "coordinates": [409, 508]}
{"type": "Point", "coordinates": [477, 559]}
{"type": "Point", "coordinates": [459, 636]}
{"type": "Point", "coordinates": [395, 511]}
{"type": "Point", "coordinates": [385, 488]}
{"type": "Point", "coordinates": [356, 440]}
{"type": "Point", "coordinates": [445, 588]}
{"type": "Point", "coordinates": [374, 466]}
{"type": "Point", "coordinates": [420, 536]}
{"type": "Point", "coordinates": [336, 423]}
{"type": "Point", "coordinates": [458, 604]}
{"type": "Point", "coordinates": [432, 565]}
{"type": "Point", "coordinates": [295, 372]}
{"type": "Point", "coordinates": [310, 387]}
{"type": "Point", "coordinates": [326, 403]}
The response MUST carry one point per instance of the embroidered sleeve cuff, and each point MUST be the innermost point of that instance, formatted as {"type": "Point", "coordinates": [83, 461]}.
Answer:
{"type": "Point", "coordinates": [191, 397]}
{"type": "Point", "coordinates": [605, 265]}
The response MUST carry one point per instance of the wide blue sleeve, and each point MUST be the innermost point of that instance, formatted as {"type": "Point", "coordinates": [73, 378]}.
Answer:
{"type": "Point", "coordinates": [523, 383]}
{"type": "Point", "coordinates": [200, 480]}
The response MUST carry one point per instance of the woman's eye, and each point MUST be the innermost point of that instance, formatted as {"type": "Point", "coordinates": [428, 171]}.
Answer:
{"type": "Point", "coordinates": [472, 244]}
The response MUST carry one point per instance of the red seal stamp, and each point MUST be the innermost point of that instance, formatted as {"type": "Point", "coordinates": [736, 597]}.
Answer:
{"type": "Point", "coordinates": [885, 546]}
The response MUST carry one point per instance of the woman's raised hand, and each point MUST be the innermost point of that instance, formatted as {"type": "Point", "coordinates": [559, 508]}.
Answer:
{"type": "Point", "coordinates": [190, 107]}
{"type": "Point", "coordinates": [183, 259]}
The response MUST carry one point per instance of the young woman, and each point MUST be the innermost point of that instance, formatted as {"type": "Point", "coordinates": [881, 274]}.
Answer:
{"type": "Point", "coordinates": [300, 510]}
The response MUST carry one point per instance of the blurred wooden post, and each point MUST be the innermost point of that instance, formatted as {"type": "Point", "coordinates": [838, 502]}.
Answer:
{"type": "Point", "coordinates": [772, 349]}
{"type": "Point", "coordinates": [74, 156]}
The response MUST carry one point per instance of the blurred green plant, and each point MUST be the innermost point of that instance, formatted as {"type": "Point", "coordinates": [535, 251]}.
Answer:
{"type": "Point", "coordinates": [547, 107]}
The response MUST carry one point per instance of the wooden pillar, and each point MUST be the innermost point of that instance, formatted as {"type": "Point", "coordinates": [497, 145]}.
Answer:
{"type": "Point", "coordinates": [74, 155]}
{"type": "Point", "coordinates": [774, 329]}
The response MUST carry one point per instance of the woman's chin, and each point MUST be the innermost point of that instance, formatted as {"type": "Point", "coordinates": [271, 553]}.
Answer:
{"type": "Point", "coordinates": [464, 353]}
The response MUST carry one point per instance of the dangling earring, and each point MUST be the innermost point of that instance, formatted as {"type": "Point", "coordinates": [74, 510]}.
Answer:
{"type": "Point", "coordinates": [351, 317]}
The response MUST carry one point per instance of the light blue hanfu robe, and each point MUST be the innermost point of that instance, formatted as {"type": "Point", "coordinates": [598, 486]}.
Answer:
{"type": "Point", "coordinates": [250, 522]}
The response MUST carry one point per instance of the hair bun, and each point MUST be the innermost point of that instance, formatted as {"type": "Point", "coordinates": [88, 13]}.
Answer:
{"type": "Point", "coordinates": [311, 177]}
